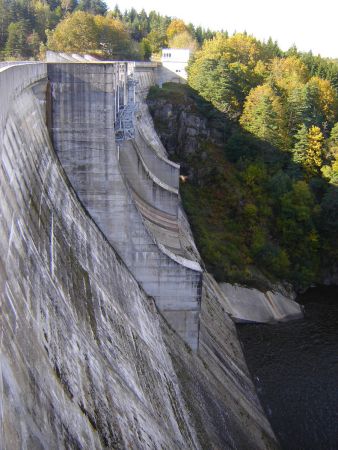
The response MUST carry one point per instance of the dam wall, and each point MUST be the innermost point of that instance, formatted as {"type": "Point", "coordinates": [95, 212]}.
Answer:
{"type": "Point", "coordinates": [78, 368]}
{"type": "Point", "coordinates": [86, 359]}
{"type": "Point", "coordinates": [131, 206]}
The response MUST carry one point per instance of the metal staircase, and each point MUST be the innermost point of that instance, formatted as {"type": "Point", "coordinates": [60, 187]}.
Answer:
{"type": "Point", "coordinates": [124, 125]}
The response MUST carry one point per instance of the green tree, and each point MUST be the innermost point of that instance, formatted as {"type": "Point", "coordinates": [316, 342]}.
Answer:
{"type": "Point", "coordinates": [300, 149]}
{"type": "Point", "coordinates": [297, 107]}
{"type": "Point", "coordinates": [298, 233]}
{"type": "Point", "coordinates": [223, 71]}
{"type": "Point", "coordinates": [34, 42]}
{"type": "Point", "coordinates": [92, 6]}
{"type": "Point", "coordinates": [309, 149]}
{"type": "Point", "coordinates": [78, 32]}
{"type": "Point", "coordinates": [157, 39]}
{"type": "Point", "coordinates": [329, 211]}
{"type": "Point", "coordinates": [145, 49]}
{"type": "Point", "coordinates": [332, 154]}
{"type": "Point", "coordinates": [16, 45]}
{"type": "Point", "coordinates": [263, 116]}
{"type": "Point", "coordinates": [271, 49]}
{"type": "Point", "coordinates": [44, 18]}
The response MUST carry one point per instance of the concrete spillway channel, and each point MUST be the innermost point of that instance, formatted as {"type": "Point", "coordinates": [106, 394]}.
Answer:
{"type": "Point", "coordinates": [82, 130]}
{"type": "Point", "coordinates": [86, 360]}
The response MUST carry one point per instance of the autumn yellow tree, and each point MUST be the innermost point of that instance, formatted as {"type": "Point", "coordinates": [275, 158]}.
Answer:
{"type": "Point", "coordinates": [176, 26]}
{"type": "Point", "coordinates": [114, 40]}
{"type": "Point", "coordinates": [239, 48]}
{"type": "Point", "coordinates": [183, 40]}
{"type": "Point", "coordinates": [314, 155]}
{"type": "Point", "coordinates": [263, 116]}
{"type": "Point", "coordinates": [288, 73]}
{"type": "Point", "coordinates": [83, 32]}
{"type": "Point", "coordinates": [327, 98]}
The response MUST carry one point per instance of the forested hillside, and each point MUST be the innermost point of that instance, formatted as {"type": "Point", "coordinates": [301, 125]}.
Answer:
{"type": "Point", "coordinates": [28, 27]}
{"type": "Point", "coordinates": [262, 166]}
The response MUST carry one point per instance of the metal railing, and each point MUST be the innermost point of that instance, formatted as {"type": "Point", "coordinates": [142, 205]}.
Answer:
{"type": "Point", "coordinates": [124, 125]}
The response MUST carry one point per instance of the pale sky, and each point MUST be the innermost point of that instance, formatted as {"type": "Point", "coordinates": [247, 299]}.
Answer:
{"type": "Point", "coordinates": [311, 25]}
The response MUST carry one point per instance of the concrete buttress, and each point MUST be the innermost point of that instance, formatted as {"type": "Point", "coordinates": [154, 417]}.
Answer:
{"type": "Point", "coordinates": [134, 208]}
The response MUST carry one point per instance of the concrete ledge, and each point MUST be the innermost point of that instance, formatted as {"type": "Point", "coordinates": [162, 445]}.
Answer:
{"type": "Point", "coordinates": [251, 305]}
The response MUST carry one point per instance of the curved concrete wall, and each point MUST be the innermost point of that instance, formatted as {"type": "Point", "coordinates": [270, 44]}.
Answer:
{"type": "Point", "coordinates": [153, 191]}
{"type": "Point", "coordinates": [86, 360]}
{"type": "Point", "coordinates": [167, 171]}
{"type": "Point", "coordinates": [13, 80]}
{"type": "Point", "coordinates": [144, 74]}
{"type": "Point", "coordinates": [84, 138]}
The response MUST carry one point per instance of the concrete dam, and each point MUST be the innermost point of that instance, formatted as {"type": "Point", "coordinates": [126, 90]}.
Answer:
{"type": "Point", "coordinates": [111, 334]}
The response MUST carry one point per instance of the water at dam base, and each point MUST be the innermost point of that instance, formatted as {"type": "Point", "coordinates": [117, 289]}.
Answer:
{"type": "Point", "coordinates": [295, 370]}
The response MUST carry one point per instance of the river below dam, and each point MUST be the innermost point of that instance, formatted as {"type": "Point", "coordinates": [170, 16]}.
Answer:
{"type": "Point", "coordinates": [294, 366]}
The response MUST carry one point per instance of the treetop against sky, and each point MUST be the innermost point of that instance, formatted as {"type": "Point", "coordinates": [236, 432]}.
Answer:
{"type": "Point", "coordinates": [309, 24]}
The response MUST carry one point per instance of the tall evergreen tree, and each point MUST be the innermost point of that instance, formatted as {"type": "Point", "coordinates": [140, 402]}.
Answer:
{"type": "Point", "coordinates": [93, 6]}
{"type": "Point", "coordinates": [300, 148]}
{"type": "Point", "coordinates": [16, 45]}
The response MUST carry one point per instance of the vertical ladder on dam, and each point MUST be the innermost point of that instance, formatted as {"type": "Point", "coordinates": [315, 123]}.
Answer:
{"type": "Point", "coordinates": [124, 125]}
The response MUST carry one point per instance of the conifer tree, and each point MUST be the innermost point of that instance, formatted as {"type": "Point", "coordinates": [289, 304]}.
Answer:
{"type": "Point", "coordinates": [16, 45]}
{"type": "Point", "coordinates": [300, 149]}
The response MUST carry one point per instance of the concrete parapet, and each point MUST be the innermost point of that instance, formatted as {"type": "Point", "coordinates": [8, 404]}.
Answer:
{"type": "Point", "coordinates": [14, 79]}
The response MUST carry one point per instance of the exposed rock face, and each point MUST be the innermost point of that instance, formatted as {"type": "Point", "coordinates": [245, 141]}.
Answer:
{"type": "Point", "coordinates": [185, 128]}
{"type": "Point", "coordinates": [86, 359]}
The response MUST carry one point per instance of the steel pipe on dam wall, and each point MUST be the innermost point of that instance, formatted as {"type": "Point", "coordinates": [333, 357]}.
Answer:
{"type": "Point", "coordinates": [86, 361]}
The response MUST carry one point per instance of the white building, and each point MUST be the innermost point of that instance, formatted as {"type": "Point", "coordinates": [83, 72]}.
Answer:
{"type": "Point", "coordinates": [174, 62]}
